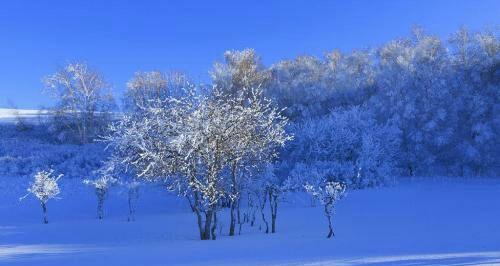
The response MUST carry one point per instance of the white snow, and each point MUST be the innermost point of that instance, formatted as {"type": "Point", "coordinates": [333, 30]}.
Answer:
{"type": "Point", "coordinates": [10, 115]}
{"type": "Point", "coordinates": [443, 222]}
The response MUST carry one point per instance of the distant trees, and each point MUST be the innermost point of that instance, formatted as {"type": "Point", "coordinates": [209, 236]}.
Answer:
{"type": "Point", "coordinates": [475, 79]}
{"type": "Point", "coordinates": [347, 145]}
{"type": "Point", "coordinates": [438, 94]}
{"type": "Point", "coordinates": [309, 87]}
{"type": "Point", "coordinates": [299, 86]}
{"type": "Point", "coordinates": [241, 72]}
{"type": "Point", "coordinates": [44, 188]}
{"type": "Point", "coordinates": [431, 92]}
{"type": "Point", "coordinates": [146, 89]}
{"type": "Point", "coordinates": [414, 92]}
{"type": "Point", "coordinates": [83, 101]}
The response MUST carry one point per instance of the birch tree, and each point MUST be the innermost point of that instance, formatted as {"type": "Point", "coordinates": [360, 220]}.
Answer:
{"type": "Point", "coordinates": [146, 89]}
{"type": "Point", "coordinates": [84, 100]}
{"type": "Point", "coordinates": [240, 72]}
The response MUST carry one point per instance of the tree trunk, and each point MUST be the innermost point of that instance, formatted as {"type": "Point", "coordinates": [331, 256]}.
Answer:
{"type": "Point", "coordinates": [252, 210]}
{"type": "Point", "coordinates": [208, 224]}
{"type": "Point", "coordinates": [273, 223]}
{"type": "Point", "coordinates": [194, 207]}
{"type": "Point", "coordinates": [232, 222]}
{"type": "Point", "coordinates": [240, 223]}
{"type": "Point", "coordinates": [252, 217]}
{"type": "Point", "coordinates": [328, 214]}
{"type": "Point", "coordinates": [214, 225]}
{"type": "Point", "coordinates": [410, 170]}
{"type": "Point", "coordinates": [44, 209]}
{"type": "Point", "coordinates": [190, 203]}
{"type": "Point", "coordinates": [262, 205]}
{"type": "Point", "coordinates": [273, 203]}
{"type": "Point", "coordinates": [100, 204]}
{"type": "Point", "coordinates": [200, 224]}
{"type": "Point", "coordinates": [131, 216]}
{"type": "Point", "coordinates": [233, 201]}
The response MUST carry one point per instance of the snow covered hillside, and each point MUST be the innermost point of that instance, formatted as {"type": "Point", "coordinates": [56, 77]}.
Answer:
{"type": "Point", "coordinates": [10, 115]}
{"type": "Point", "coordinates": [440, 222]}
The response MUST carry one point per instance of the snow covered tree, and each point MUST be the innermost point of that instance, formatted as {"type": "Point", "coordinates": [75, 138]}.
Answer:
{"type": "Point", "coordinates": [258, 133]}
{"type": "Point", "coordinates": [155, 146]}
{"type": "Point", "coordinates": [240, 83]}
{"type": "Point", "coordinates": [309, 87]}
{"type": "Point", "coordinates": [475, 83]}
{"type": "Point", "coordinates": [101, 187]}
{"type": "Point", "coordinates": [44, 188]}
{"type": "Point", "coordinates": [328, 193]}
{"type": "Point", "coordinates": [146, 89]}
{"type": "Point", "coordinates": [232, 135]}
{"type": "Point", "coordinates": [347, 145]}
{"type": "Point", "coordinates": [241, 72]}
{"type": "Point", "coordinates": [190, 142]}
{"type": "Point", "coordinates": [132, 196]}
{"type": "Point", "coordinates": [114, 172]}
{"type": "Point", "coordinates": [440, 95]}
{"type": "Point", "coordinates": [414, 94]}
{"type": "Point", "coordinates": [299, 86]}
{"type": "Point", "coordinates": [84, 100]}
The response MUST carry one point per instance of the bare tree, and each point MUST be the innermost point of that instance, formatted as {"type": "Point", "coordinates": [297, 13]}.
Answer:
{"type": "Point", "coordinates": [241, 72]}
{"type": "Point", "coordinates": [153, 88]}
{"type": "Point", "coordinates": [84, 100]}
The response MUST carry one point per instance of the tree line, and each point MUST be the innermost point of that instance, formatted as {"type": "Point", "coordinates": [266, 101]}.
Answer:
{"type": "Point", "coordinates": [419, 105]}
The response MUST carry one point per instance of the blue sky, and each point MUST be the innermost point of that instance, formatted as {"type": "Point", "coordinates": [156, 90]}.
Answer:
{"type": "Point", "coordinates": [121, 37]}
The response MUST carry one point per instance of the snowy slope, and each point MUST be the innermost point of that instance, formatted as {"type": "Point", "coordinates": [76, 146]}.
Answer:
{"type": "Point", "coordinates": [9, 115]}
{"type": "Point", "coordinates": [30, 115]}
{"type": "Point", "coordinates": [413, 223]}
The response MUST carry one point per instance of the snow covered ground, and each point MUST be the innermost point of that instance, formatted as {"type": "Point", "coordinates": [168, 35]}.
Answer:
{"type": "Point", "coordinates": [432, 222]}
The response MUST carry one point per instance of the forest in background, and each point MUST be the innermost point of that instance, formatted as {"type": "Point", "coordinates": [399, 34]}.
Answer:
{"type": "Point", "coordinates": [419, 106]}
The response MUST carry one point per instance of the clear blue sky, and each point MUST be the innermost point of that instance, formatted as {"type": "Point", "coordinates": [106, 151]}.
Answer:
{"type": "Point", "coordinates": [121, 37]}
